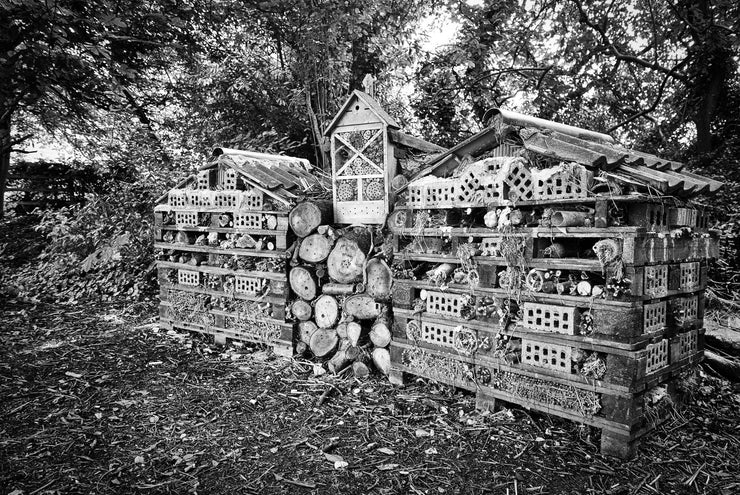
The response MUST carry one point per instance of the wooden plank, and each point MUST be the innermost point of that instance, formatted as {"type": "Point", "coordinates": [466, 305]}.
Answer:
{"type": "Point", "coordinates": [222, 271]}
{"type": "Point", "coordinates": [210, 250]}
{"type": "Point", "coordinates": [413, 142]}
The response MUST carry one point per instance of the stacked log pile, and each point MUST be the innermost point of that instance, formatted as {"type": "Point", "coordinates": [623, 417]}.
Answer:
{"type": "Point", "coordinates": [340, 284]}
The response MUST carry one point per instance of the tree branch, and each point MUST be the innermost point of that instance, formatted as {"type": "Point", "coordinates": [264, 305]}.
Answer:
{"type": "Point", "coordinates": [626, 56]}
{"type": "Point", "coordinates": [645, 111]}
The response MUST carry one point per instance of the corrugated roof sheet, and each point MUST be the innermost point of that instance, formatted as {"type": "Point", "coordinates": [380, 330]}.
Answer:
{"type": "Point", "coordinates": [283, 177]}
{"type": "Point", "coordinates": [572, 144]}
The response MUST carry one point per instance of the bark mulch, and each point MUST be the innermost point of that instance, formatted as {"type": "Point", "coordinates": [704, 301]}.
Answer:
{"type": "Point", "coordinates": [95, 399]}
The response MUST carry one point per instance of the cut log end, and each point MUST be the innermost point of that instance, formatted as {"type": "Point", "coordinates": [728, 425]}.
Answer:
{"type": "Point", "coordinates": [323, 342]}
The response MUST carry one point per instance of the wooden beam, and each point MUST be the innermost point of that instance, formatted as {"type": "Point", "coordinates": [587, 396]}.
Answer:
{"type": "Point", "coordinates": [403, 139]}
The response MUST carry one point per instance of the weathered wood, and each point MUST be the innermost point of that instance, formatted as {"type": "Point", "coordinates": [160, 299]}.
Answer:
{"type": "Point", "coordinates": [323, 342]}
{"type": "Point", "coordinates": [360, 369]}
{"type": "Point", "coordinates": [326, 311]}
{"type": "Point", "coordinates": [361, 306]}
{"type": "Point", "coordinates": [396, 221]}
{"type": "Point", "coordinates": [301, 309]}
{"type": "Point", "coordinates": [340, 359]}
{"type": "Point", "coordinates": [306, 330]}
{"type": "Point", "coordinates": [303, 282]}
{"type": "Point", "coordinates": [301, 348]}
{"type": "Point", "coordinates": [380, 333]}
{"type": "Point", "coordinates": [728, 368]}
{"type": "Point", "coordinates": [378, 279]}
{"type": "Point", "coordinates": [337, 289]}
{"type": "Point", "coordinates": [382, 360]}
{"type": "Point", "coordinates": [315, 248]}
{"type": "Point", "coordinates": [347, 259]}
{"type": "Point", "coordinates": [342, 329]}
{"type": "Point", "coordinates": [305, 217]}
{"type": "Point", "coordinates": [354, 333]}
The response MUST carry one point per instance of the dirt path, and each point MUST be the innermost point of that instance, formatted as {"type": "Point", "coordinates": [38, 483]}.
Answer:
{"type": "Point", "coordinates": [96, 400]}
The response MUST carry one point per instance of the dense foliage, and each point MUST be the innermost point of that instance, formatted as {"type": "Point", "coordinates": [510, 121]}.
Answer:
{"type": "Point", "coordinates": [143, 91]}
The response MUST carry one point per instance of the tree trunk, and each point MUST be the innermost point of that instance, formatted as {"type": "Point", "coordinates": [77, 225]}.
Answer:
{"type": "Point", "coordinates": [4, 159]}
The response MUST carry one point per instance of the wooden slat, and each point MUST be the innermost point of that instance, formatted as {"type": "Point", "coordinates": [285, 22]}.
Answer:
{"type": "Point", "coordinates": [401, 138]}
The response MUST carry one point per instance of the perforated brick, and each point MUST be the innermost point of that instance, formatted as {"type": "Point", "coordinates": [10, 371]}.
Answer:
{"type": "Point", "coordinates": [229, 179]}
{"type": "Point", "coordinates": [200, 198]}
{"type": "Point", "coordinates": [517, 182]}
{"type": "Point", "coordinates": [564, 183]}
{"type": "Point", "coordinates": [248, 220]}
{"type": "Point", "coordinates": [550, 318]}
{"type": "Point", "coordinates": [656, 281]}
{"type": "Point", "coordinates": [416, 195]}
{"type": "Point", "coordinates": [654, 317]}
{"type": "Point", "coordinates": [440, 193]}
{"type": "Point", "coordinates": [550, 356]}
{"type": "Point", "coordinates": [490, 246]}
{"type": "Point", "coordinates": [226, 199]}
{"type": "Point", "coordinates": [177, 198]}
{"type": "Point", "coordinates": [436, 333]}
{"type": "Point", "coordinates": [688, 344]}
{"type": "Point", "coordinates": [657, 356]}
{"type": "Point", "coordinates": [249, 286]}
{"type": "Point", "coordinates": [690, 275]}
{"type": "Point", "coordinates": [685, 310]}
{"type": "Point", "coordinates": [252, 199]}
{"type": "Point", "coordinates": [186, 218]}
{"type": "Point", "coordinates": [188, 277]}
{"type": "Point", "coordinates": [442, 303]}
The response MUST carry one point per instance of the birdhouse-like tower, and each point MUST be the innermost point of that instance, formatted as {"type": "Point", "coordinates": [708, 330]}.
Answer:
{"type": "Point", "coordinates": [363, 161]}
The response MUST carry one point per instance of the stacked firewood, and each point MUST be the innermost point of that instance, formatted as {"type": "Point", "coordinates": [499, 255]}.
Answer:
{"type": "Point", "coordinates": [342, 284]}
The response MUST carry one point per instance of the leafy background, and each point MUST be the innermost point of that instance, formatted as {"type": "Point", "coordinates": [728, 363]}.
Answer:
{"type": "Point", "coordinates": [142, 91]}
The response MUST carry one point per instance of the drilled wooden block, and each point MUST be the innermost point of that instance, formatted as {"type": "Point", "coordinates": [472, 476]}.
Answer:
{"type": "Point", "coordinates": [550, 318]}
{"type": "Point", "coordinates": [545, 355]}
